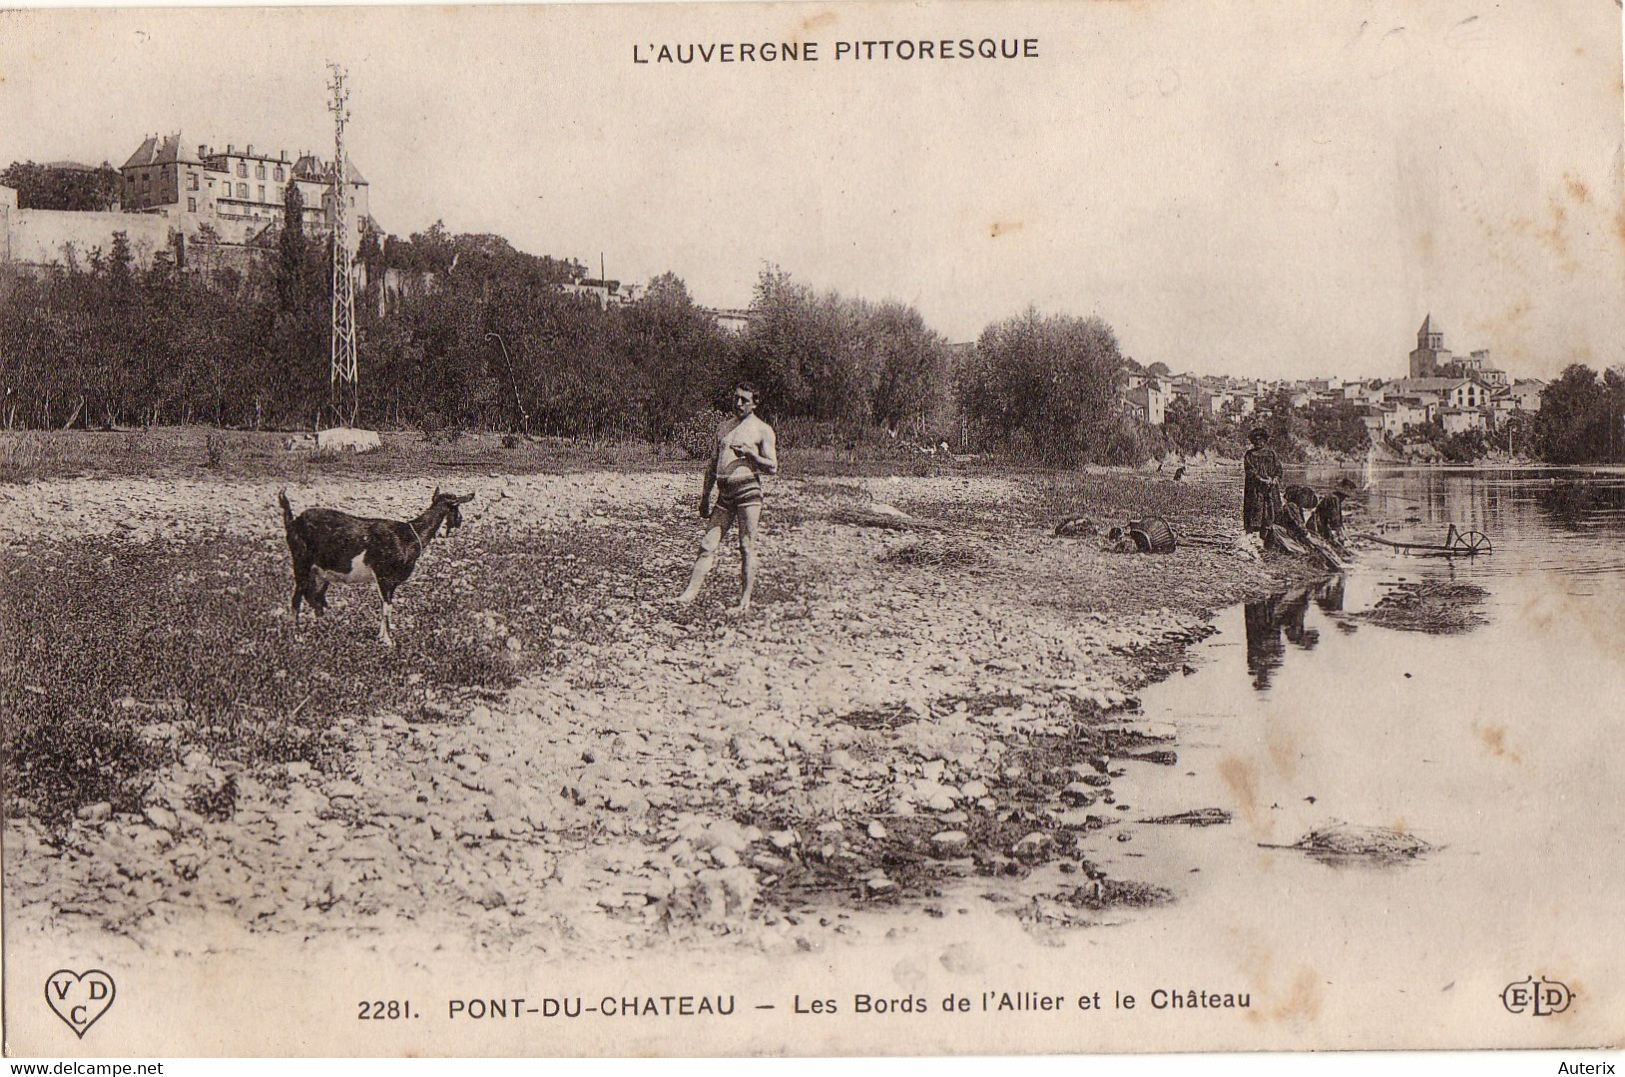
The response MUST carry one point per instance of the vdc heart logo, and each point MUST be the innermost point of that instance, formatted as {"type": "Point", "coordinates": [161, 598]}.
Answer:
{"type": "Point", "coordinates": [79, 998]}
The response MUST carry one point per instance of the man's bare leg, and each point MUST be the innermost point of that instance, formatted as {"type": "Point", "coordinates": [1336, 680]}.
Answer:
{"type": "Point", "coordinates": [749, 516]}
{"type": "Point", "coordinates": [718, 525]}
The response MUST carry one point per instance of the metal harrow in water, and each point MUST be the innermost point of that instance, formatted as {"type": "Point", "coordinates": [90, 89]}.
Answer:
{"type": "Point", "coordinates": [1456, 544]}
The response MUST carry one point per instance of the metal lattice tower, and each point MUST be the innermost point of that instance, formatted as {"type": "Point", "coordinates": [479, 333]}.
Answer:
{"type": "Point", "coordinates": [343, 376]}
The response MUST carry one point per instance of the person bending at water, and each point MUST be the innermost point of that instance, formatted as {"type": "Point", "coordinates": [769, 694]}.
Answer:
{"type": "Point", "coordinates": [744, 452]}
{"type": "Point", "coordinates": [1261, 489]}
{"type": "Point", "coordinates": [1327, 521]}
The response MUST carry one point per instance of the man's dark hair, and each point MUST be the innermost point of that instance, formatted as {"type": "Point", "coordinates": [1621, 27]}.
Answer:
{"type": "Point", "coordinates": [749, 388]}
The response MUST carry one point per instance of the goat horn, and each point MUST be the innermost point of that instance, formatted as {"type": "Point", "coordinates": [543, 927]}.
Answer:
{"type": "Point", "coordinates": [465, 499]}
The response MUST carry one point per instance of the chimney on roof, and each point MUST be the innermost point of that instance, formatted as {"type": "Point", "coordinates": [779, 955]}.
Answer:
{"type": "Point", "coordinates": [251, 149]}
{"type": "Point", "coordinates": [229, 147]}
{"type": "Point", "coordinates": [202, 150]}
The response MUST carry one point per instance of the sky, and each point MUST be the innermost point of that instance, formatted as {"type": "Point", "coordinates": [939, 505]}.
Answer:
{"type": "Point", "coordinates": [1254, 188]}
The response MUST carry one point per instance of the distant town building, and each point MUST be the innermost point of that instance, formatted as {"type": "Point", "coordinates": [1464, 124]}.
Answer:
{"type": "Point", "coordinates": [606, 293]}
{"type": "Point", "coordinates": [1148, 404]}
{"type": "Point", "coordinates": [1144, 396]}
{"type": "Point", "coordinates": [1526, 394]}
{"type": "Point", "coordinates": [1431, 359]}
{"type": "Point", "coordinates": [1430, 353]}
{"type": "Point", "coordinates": [1478, 366]}
{"type": "Point", "coordinates": [1461, 420]}
{"type": "Point", "coordinates": [1454, 392]}
{"type": "Point", "coordinates": [737, 319]}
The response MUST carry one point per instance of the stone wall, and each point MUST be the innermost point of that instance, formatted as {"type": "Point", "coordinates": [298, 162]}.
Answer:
{"type": "Point", "coordinates": [37, 237]}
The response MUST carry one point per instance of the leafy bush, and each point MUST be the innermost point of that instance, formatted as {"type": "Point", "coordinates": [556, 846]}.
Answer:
{"type": "Point", "coordinates": [697, 435]}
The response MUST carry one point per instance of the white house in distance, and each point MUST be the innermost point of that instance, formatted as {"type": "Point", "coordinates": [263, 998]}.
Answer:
{"type": "Point", "coordinates": [1144, 397]}
{"type": "Point", "coordinates": [1461, 420]}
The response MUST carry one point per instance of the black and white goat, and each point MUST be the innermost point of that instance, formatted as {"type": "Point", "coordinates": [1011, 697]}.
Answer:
{"type": "Point", "coordinates": [328, 545]}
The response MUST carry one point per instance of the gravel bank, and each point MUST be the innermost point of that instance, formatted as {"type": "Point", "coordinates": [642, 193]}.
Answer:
{"type": "Point", "coordinates": [906, 710]}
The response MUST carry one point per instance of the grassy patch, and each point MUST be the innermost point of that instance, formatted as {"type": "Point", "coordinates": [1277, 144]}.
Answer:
{"type": "Point", "coordinates": [1110, 499]}
{"type": "Point", "coordinates": [26, 454]}
{"type": "Point", "coordinates": [950, 554]}
{"type": "Point", "coordinates": [118, 656]}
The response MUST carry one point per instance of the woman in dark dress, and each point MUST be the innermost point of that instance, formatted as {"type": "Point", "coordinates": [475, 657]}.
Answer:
{"type": "Point", "coordinates": [1261, 494]}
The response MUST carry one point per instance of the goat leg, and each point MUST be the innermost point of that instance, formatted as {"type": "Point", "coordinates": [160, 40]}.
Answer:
{"type": "Point", "coordinates": [386, 593]}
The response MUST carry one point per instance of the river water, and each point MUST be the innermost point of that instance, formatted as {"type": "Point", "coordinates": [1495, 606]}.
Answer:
{"type": "Point", "coordinates": [1500, 746]}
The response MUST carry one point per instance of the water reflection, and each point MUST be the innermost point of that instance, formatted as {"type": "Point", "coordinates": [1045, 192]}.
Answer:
{"type": "Point", "coordinates": [1577, 505]}
{"type": "Point", "coordinates": [1274, 622]}
{"type": "Point", "coordinates": [1559, 520]}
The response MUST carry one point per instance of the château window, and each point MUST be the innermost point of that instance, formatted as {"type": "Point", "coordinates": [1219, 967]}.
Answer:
{"type": "Point", "coordinates": [279, 173]}
{"type": "Point", "coordinates": [242, 190]}
{"type": "Point", "coordinates": [191, 181]}
{"type": "Point", "coordinates": [259, 171]}
{"type": "Point", "coordinates": [242, 170]}
{"type": "Point", "coordinates": [262, 192]}
{"type": "Point", "coordinates": [191, 205]}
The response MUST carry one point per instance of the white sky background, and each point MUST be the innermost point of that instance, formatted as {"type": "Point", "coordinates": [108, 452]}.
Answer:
{"type": "Point", "coordinates": [1251, 188]}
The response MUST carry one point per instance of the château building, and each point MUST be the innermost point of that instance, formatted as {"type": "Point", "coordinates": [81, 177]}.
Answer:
{"type": "Point", "coordinates": [235, 191]}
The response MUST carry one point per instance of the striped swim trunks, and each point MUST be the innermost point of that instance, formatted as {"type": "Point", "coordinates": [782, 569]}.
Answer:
{"type": "Point", "coordinates": [736, 493]}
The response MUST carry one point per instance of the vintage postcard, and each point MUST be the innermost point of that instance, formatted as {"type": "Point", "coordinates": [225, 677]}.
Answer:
{"type": "Point", "coordinates": [812, 528]}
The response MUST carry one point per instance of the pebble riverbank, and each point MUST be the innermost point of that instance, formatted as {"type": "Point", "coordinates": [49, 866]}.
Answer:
{"type": "Point", "coordinates": [905, 710]}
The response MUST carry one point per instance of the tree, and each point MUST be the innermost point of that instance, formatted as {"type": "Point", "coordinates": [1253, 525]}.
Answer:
{"type": "Point", "coordinates": [1519, 432]}
{"type": "Point", "coordinates": [1275, 414]}
{"type": "Point", "coordinates": [910, 369]}
{"type": "Point", "coordinates": [1574, 424]}
{"type": "Point", "coordinates": [1047, 379]}
{"type": "Point", "coordinates": [45, 187]}
{"type": "Point", "coordinates": [293, 284]}
{"type": "Point", "coordinates": [1182, 423]}
{"type": "Point", "coordinates": [678, 357]}
{"type": "Point", "coordinates": [1337, 427]}
{"type": "Point", "coordinates": [120, 262]}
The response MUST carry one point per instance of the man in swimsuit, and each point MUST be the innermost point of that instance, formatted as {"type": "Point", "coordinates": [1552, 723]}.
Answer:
{"type": "Point", "coordinates": [744, 452]}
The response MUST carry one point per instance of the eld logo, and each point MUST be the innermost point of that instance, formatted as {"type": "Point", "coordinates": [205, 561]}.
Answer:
{"type": "Point", "coordinates": [79, 998]}
{"type": "Point", "coordinates": [1540, 999]}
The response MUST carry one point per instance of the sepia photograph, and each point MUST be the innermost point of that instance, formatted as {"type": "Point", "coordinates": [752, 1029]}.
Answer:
{"type": "Point", "coordinates": [813, 529]}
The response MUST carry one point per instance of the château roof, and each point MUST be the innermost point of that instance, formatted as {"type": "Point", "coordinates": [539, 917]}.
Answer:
{"type": "Point", "coordinates": [311, 167]}
{"type": "Point", "coordinates": [156, 150]}
{"type": "Point", "coordinates": [1428, 326]}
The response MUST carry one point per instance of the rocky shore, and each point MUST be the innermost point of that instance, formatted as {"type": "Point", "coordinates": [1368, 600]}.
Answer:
{"type": "Point", "coordinates": [917, 714]}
